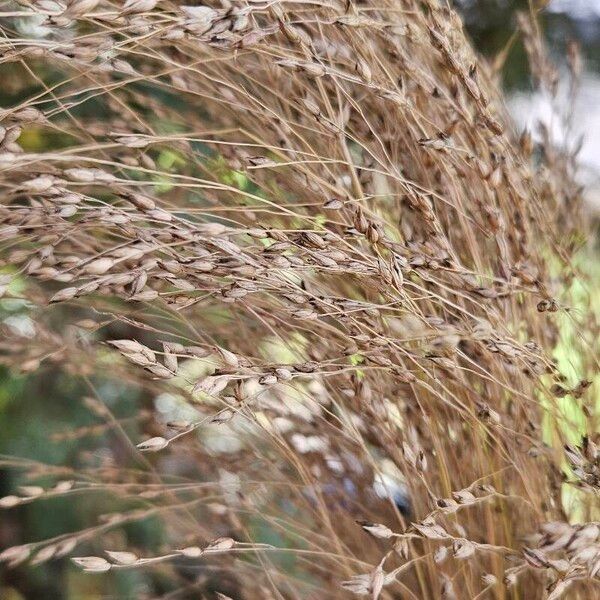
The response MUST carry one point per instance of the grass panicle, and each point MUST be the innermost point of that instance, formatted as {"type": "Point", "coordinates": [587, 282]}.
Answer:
{"type": "Point", "coordinates": [314, 229]}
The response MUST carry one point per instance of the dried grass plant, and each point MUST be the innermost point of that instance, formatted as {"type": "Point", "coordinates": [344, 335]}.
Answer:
{"type": "Point", "coordinates": [313, 227]}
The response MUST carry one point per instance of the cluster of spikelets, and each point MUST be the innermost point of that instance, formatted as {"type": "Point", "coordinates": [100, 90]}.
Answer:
{"type": "Point", "coordinates": [312, 225]}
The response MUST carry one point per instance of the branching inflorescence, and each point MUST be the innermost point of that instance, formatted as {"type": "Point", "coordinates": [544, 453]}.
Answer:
{"type": "Point", "coordinates": [313, 224]}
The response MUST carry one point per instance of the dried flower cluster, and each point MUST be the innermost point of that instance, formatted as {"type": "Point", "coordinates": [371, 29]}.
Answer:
{"type": "Point", "coordinates": [314, 226]}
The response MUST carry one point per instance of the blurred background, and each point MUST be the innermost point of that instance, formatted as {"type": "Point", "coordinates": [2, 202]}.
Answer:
{"type": "Point", "coordinates": [44, 415]}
